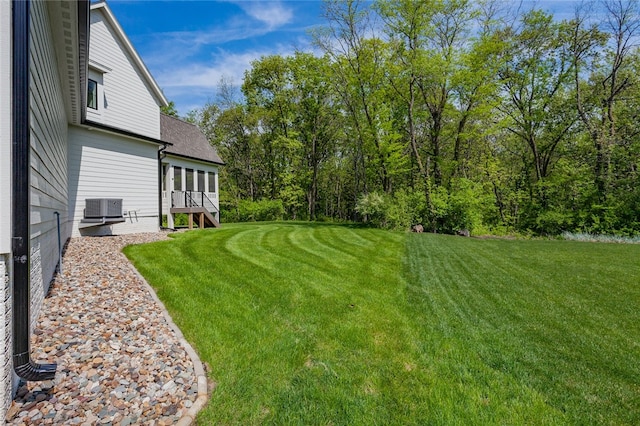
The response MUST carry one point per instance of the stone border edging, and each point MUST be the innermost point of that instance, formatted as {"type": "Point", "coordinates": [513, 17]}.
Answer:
{"type": "Point", "coordinates": [188, 418]}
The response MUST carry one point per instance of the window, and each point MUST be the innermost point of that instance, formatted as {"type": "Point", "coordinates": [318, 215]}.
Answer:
{"type": "Point", "coordinates": [189, 179]}
{"type": "Point", "coordinates": [177, 178]}
{"type": "Point", "coordinates": [201, 180]}
{"type": "Point", "coordinates": [212, 181]}
{"type": "Point", "coordinates": [92, 95]}
{"type": "Point", "coordinates": [96, 100]}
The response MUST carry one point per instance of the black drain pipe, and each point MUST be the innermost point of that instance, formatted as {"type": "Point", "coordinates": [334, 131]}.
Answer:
{"type": "Point", "coordinates": [22, 363]}
{"type": "Point", "coordinates": [59, 242]}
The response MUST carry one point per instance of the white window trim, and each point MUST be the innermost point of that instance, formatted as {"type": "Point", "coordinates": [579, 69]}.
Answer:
{"type": "Point", "coordinates": [96, 75]}
{"type": "Point", "coordinates": [103, 69]}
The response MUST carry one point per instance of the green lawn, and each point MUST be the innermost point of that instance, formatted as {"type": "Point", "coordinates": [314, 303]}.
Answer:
{"type": "Point", "coordinates": [325, 324]}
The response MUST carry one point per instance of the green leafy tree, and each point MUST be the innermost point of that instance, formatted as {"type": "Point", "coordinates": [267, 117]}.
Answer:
{"type": "Point", "coordinates": [317, 120]}
{"type": "Point", "coordinates": [170, 109]}
{"type": "Point", "coordinates": [360, 65]}
{"type": "Point", "coordinates": [610, 53]}
{"type": "Point", "coordinates": [463, 115]}
{"type": "Point", "coordinates": [535, 75]}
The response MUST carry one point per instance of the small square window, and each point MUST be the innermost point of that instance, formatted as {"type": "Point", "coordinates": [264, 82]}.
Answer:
{"type": "Point", "coordinates": [92, 95]}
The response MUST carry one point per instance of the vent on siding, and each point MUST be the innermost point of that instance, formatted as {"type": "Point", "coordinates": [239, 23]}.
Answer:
{"type": "Point", "coordinates": [103, 207]}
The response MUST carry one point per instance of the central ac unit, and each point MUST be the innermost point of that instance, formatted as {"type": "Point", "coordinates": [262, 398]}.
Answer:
{"type": "Point", "coordinates": [103, 207]}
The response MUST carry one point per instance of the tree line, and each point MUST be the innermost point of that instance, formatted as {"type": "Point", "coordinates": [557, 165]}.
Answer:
{"type": "Point", "coordinates": [454, 114]}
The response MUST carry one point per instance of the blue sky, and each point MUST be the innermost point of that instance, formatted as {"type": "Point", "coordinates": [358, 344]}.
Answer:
{"type": "Point", "coordinates": [189, 46]}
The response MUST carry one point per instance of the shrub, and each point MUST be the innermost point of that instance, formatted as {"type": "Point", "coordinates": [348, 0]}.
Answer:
{"type": "Point", "coordinates": [405, 208]}
{"type": "Point", "coordinates": [229, 212]}
{"type": "Point", "coordinates": [461, 208]}
{"type": "Point", "coordinates": [180, 220]}
{"type": "Point", "coordinates": [553, 222]}
{"type": "Point", "coordinates": [397, 211]}
{"type": "Point", "coordinates": [258, 211]}
{"type": "Point", "coordinates": [252, 211]}
{"type": "Point", "coordinates": [372, 207]}
{"type": "Point", "coordinates": [600, 238]}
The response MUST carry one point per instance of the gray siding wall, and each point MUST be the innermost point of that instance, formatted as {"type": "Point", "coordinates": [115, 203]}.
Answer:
{"type": "Point", "coordinates": [105, 165]}
{"type": "Point", "coordinates": [48, 157]}
{"type": "Point", "coordinates": [48, 174]}
{"type": "Point", "coordinates": [5, 126]}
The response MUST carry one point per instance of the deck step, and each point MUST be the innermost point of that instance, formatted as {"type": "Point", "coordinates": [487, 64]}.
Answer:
{"type": "Point", "coordinates": [208, 220]}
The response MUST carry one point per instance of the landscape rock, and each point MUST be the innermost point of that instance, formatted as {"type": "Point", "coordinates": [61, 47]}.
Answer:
{"type": "Point", "coordinates": [114, 349]}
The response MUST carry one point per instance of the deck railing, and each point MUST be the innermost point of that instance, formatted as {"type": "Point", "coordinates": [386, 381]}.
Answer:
{"type": "Point", "coordinates": [187, 199]}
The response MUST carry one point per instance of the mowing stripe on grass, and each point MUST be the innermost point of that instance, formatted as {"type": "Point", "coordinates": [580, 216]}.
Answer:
{"type": "Point", "coordinates": [559, 317]}
{"type": "Point", "coordinates": [317, 323]}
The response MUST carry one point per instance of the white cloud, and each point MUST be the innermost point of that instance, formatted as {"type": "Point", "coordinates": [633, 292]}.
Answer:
{"type": "Point", "coordinates": [224, 64]}
{"type": "Point", "coordinates": [174, 47]}
{"type": "Point", "coordinates": [189, 65]}
{"type": "Point", "coordinates": [272, 13]}
{"type": "Point", "coordinates": [192, 84]}
{"type": "Point", "coordinates": [233, 30]}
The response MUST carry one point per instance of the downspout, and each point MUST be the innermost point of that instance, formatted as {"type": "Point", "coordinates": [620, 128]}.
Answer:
{"type": "Point", "coordinates": [59, 242]}
{"type": "Point", "coordinates": [22, 363]}
{"type": "Point", "coordinates": [161, 155]}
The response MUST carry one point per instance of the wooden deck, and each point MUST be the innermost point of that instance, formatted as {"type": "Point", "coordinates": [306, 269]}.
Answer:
{"type": "Point", "coordinates": [203, 216]}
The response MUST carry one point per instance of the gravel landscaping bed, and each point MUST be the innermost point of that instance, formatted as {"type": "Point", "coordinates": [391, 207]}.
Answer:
{"type": "Point", "coordinates": [119, 361]}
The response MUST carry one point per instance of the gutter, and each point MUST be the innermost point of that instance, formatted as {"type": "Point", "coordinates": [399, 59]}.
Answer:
{"type": "Point", "coordinates": [217, 163]}
{"type": "Point", "coordinates": [20, 220]}
{"type": "Point", "coordinates": [115, 130]}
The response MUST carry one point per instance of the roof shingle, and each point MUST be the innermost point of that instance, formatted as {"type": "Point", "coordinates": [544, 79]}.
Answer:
{"type": "Point", "coordinates": [187, 139]}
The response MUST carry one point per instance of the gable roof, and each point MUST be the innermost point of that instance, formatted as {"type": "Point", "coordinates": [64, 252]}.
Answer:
{"type": "Point", "coordinates": [119, 32]}
{"type": "Point", "coordinates": [187, 140]}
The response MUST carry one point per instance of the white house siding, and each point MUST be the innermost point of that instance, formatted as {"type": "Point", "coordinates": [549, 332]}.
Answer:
{"type": "Point", "coordinates": [126, 103]}
{"type": "Point", "coordinates": [48, 156]}
{"type": "Point", "coordinates": [105, 165]}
